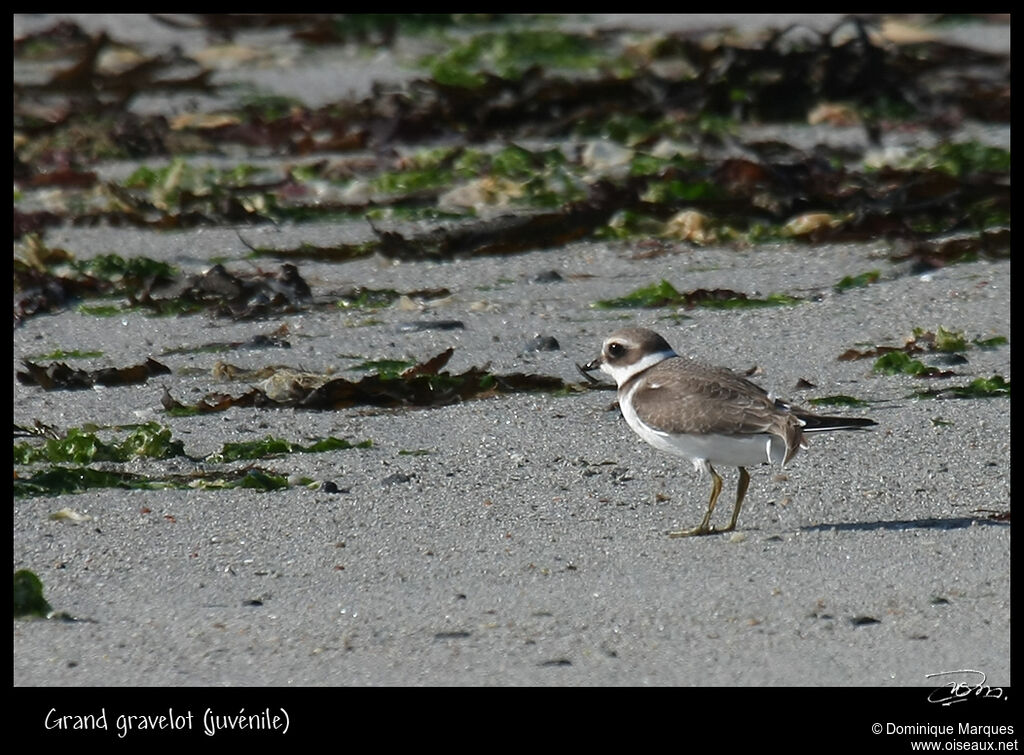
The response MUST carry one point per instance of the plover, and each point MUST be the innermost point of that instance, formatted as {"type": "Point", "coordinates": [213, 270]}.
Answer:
{"type": "Point", "coordinates": [709, 415]}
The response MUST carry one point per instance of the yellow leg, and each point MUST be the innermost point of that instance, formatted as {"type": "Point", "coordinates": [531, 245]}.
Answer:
{"type": "Point", "coordinates": [741, 491]}
{"type": "Point", "coordinates": [704, 528]}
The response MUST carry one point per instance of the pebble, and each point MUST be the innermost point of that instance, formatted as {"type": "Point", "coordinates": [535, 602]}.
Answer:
{"type": "Point", "coordinates": [548, 276]}
{"type": "Point", "coordinates": [417, 326]}
{"type": "Point", "coordinates": [541, 343]}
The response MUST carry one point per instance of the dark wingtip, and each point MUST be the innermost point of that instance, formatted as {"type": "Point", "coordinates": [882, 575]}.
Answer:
{"type": "Point", "coordinates": [813, 422]}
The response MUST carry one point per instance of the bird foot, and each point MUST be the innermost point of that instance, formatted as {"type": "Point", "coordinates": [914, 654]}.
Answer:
{"type": "Point", "coordinates": [699, 530]}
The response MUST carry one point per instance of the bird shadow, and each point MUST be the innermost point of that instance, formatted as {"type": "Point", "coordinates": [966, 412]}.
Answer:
{"type": "Point", "coordinates": [931, 523]}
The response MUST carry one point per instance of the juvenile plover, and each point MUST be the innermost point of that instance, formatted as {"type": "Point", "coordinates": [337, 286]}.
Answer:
{"type": "Point", "coordinates": [709, 415]}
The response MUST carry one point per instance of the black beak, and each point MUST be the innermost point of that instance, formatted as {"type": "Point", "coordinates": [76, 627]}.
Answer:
{"type": "Point", "coordinates": [586, 369]}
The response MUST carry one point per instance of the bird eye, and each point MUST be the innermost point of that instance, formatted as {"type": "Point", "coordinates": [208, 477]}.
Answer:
{"type": "Point", "coordinates": [616, 349]}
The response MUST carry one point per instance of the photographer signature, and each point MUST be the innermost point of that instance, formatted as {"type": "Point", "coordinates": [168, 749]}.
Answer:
{"type": "Point", "coordinates": [958, 692]}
